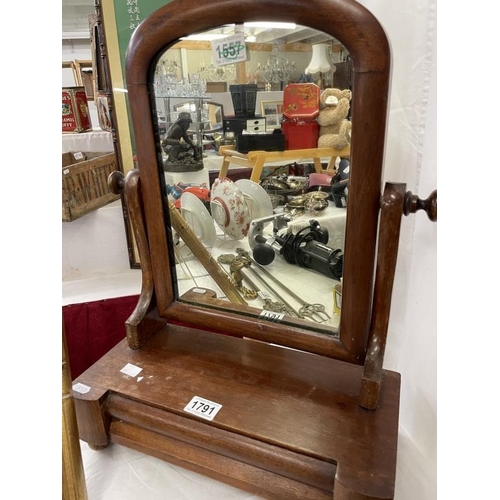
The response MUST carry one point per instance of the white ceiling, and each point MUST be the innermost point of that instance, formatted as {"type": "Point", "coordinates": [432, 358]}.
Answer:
{"type": "Point", "coordinates": [75, 22]}
{"type": "Point", "coordinates": [75, 15]}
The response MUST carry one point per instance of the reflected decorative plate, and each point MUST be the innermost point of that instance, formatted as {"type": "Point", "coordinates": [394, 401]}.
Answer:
{"type": "Point", "coordinates": [198, 218]}
{"type": "Point", "coordinates": [229, 208]}
{"type": "Point", "coordinates": [258, 201]}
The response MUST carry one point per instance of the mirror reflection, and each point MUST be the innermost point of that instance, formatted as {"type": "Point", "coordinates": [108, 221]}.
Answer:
{"type": "Point", "coordinates": [254, 130]}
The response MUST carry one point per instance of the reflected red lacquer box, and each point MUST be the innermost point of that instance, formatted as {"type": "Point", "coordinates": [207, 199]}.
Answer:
{"type": "Point", "coordinates": [301, 100]}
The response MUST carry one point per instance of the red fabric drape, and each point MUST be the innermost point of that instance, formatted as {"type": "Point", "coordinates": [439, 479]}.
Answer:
{"type": "Point", "coordinates": [93, 328]}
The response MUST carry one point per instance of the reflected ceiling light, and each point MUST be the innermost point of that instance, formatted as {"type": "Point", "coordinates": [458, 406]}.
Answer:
{"type": "Point", "coordinates": [260, 24]}
{"type": "Point", "coordinates": [320, 61]}
{"type": "Point", "coordinates": [204, 36]}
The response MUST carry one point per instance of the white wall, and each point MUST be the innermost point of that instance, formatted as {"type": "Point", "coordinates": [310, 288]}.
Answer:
{"type": "Point", "coordinates": [71, 51]}
{"type": "Point", "coordinates": [411, 158]}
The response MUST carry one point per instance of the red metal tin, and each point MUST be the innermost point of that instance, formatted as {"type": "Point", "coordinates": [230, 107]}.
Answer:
{"type": "Point", "coordinates": [301, 100]}
{"type": "Point", "coordinates": [75, 110]}
{"type": "Point", "coordinates": [300, 134]}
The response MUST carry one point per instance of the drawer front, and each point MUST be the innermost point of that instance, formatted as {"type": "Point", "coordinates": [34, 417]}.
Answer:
{"type": "Point", "coordinates": [256, 122]}
{"type": "Point", "coordinates": [256, 128]}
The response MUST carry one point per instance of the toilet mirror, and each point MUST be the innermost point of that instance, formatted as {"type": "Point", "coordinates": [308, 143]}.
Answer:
{"type": "Point", "coordinates": [303, 281]}
{"type": "Point", "coordinates": [277, 241]}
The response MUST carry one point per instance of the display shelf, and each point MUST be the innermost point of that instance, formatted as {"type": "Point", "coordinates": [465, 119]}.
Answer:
{"type": "Point", "coordinates": [94, 140]}
{"type": "Point", "coordinates": [167, 106]}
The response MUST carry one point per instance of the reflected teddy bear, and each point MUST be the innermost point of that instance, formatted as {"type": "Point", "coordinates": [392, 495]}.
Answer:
{"type": "Point", "coordinates": [334, 129]}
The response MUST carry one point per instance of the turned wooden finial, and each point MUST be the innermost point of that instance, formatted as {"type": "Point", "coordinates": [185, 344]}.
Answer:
{"type": "Point", "coordinates": [116, 182]}
{"type": "Point", "coordinates": [413, 203]}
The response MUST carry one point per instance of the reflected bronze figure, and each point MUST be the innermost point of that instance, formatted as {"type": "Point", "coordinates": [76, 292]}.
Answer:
{"type": "Point", "coordinates": [183, 155]}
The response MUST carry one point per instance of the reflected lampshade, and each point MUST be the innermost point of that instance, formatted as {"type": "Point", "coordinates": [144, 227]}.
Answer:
{"type": "Point", "coordinates": [320, 60]}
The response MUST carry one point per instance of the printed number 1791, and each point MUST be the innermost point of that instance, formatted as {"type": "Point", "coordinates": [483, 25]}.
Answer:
{"type": "Point", "coordinates": [203, 408]}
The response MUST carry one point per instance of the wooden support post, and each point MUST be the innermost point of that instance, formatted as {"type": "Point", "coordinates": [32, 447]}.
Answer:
{"type": "Point", "coordinates": [73, 476]}
{"type": "Point", "coordinates": [395, 202]}
{"type": "Point", "coordinates": [389, 229]}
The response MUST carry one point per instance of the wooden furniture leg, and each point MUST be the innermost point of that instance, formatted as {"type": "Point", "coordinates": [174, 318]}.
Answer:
{"type": "Point", "coordinates": [225, 167]}
{"type": "Point", "coordinates": [257, 167]}
{"type": "Point", "coordinates": [317, 166]}
{"type": "Point", "coordinates": [73, 475]}
{"type": "Point", "coordinates": [331, 164]}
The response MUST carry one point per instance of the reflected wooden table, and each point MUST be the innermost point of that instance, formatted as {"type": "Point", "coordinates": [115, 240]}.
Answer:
{"type": "Point", "coordinates": [257, 159]}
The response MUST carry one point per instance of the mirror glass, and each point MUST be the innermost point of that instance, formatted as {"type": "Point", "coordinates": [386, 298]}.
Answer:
{"type": "Point", "coordinates": [269, 238]}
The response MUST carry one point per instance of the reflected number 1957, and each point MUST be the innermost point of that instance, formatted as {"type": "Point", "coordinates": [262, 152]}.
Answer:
{"type": "Point", "coordinates": [203, 408]}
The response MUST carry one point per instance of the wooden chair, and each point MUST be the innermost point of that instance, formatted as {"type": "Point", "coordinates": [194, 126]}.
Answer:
{"type": "Point", "coordinates": [290, 413]}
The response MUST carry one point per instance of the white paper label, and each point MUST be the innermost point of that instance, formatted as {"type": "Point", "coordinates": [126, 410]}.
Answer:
{"type": "Point", "coordinates": [78, 156]}
{"type": "Point", "coordinates": [81, 388]}
{"type": "Point", "coordinates": [131, 370]}
{"type": "Point", "coordinates": [229, 50]}
{"type": "Point", "coordinates": [271, 316]}
{"type": "Point", "coordinates": [199, 290]}
{"type": "Point", "coordinates": [338, 299]}
{"type": "Point", "coordinates": [203, 408]}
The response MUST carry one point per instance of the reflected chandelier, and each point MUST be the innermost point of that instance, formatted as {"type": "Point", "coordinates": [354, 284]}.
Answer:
{"type": "Point", "coordinates": [277, 69]}
{"type": "Point", "coordinates": [213, 73]}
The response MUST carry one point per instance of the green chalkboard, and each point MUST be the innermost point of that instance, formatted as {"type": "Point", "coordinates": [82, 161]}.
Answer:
{"type": "Point", "coordinates": [128, 15]}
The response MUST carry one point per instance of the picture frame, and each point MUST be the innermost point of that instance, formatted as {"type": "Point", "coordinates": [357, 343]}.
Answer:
{"type": "Point", "coordinates": [71, 65]}
{"type": "Point", "coordinates": [85, 77]}
{"type": "Point", "coordinates": [272, 111]}
{"type": "Point", "coordinates": [96, 41]}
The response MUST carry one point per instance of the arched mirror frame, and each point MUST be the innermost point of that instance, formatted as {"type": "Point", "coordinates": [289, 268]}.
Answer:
{"type": "Point", "coordinates": [364, 38]}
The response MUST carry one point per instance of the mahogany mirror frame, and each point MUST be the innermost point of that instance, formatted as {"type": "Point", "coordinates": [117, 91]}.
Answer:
{"type": "Point", "coordinates": [362, 35]}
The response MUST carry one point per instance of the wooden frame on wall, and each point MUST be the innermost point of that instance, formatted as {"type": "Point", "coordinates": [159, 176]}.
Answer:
{"type": "Point", "coordinates": [107, 77]}
{"type": "Point", "coordinates": [84, 71]}
{"type": "Point", "coordinates": [71, 65]}
{"type": "Point", "coordinates": [106, 45]}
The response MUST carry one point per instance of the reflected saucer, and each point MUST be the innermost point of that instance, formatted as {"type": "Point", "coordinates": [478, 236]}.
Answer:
{"type": "Point", "coordinates": [258, 201]}
{"type": "Point", "coordinates": [198, 218]}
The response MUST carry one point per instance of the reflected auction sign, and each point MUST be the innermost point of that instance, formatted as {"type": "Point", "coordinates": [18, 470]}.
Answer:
{"type": "Point", "coordinates": [229, 50]}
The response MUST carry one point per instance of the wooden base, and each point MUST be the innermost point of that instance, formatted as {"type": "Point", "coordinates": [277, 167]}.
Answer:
{"type": "Point", "coordinates": [290, 426]}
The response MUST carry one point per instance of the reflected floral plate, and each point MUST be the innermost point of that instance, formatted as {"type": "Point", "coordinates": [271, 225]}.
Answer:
{"type": "Point", "coordinates": [229, 208]}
